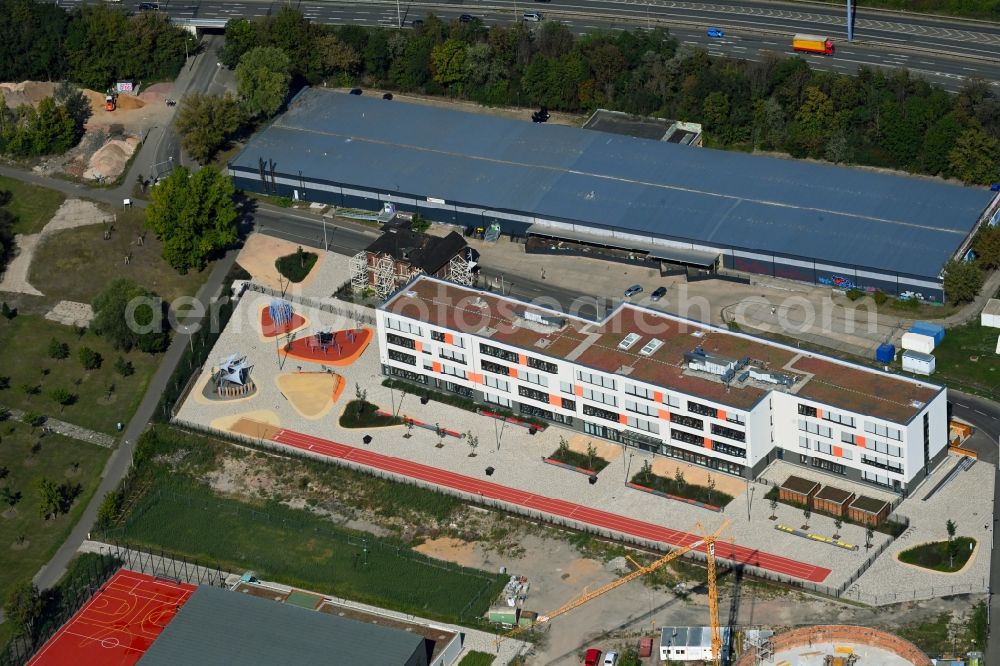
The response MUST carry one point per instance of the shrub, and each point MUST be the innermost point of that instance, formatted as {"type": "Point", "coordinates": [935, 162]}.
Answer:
{"type": "Point", "coordinates": [854, 294]}
{"type": "Point", "coordinates": [89, 359]}
{"type": "Point", "coordinates": [296, 266]}
{"type": "Point", "coordinates": [58, 350]}
{"type": "Point", "coordinates": [123, 367]}
{"type": "Point", "coordinates": [880, 297]}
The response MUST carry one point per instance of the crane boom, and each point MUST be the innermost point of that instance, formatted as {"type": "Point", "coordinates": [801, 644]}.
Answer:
{"type": "Point", "coordinates": [584, 598]}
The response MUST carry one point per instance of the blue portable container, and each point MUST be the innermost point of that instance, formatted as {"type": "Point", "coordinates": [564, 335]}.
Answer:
{"type": "Point", "coordinates": [885, 353]}
{"type": "Point", "coordinates": [935, 331]}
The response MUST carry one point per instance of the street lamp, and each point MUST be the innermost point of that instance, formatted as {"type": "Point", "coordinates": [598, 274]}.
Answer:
{"type": "Point", "coordinates": [750, 491]}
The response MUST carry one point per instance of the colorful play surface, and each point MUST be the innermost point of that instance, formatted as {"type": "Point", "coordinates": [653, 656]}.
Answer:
{"type": "Point", "coordinates": [118, 624]}
{"type": "Point", "coordinates": [330, 348]}
{"type": "Point", "coordinates": [270, 329]}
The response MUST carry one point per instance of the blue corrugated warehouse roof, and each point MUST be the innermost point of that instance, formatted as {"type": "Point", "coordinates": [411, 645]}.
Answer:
{"type": "Point", "coordinates": [728, 199]}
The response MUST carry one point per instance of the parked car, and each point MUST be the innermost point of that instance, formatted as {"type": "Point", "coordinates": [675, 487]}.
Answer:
{"type": "Point", "coordinates": [611, 659]}
{"type": "Point", "coordinates": [592, 657]}
{"type": "Point", "coordinates": [355, 91]}
{"type": "Point", "coordinates": [534, 17]}
{"type": "Point", "coordinates": [466, 18]}
{"type": "Point", "coordinates": [417, 23]}
{"type": "Point", "coordinates": [658, 294]}
{"type": "Point", "coordinates": [633, 290]}
{"type": "Point", "coordinates": [149, 6]}
{"type": "Point", "coordinates": [716, 33]}
{"type": "Point", "coordinates": [387, 96]}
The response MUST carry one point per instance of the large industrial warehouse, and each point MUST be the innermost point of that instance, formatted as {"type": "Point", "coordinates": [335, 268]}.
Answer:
{"type": "Point", "coordinates": [677, 204]}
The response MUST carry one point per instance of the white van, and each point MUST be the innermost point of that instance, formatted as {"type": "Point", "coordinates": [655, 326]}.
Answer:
{"type": "Point", "coordinates": [532, 16]}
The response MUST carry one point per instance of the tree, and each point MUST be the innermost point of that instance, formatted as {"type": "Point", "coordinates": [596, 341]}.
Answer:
{"type": "Point", "coordinates": [591, 455]}
{"type": "Point", "coordinates": [10, 497]}
{"type": "Point", "coordinates": [89, 359]}
{"type": "Point", "coordinates": [408, 422]}
{"type": "Point", "coordinates": [952, 528]}
{"type": "Point", "coordinates": [110, 507]}
{"type": "Point", "coordinates": [987, 247]}
{"type": "Point", "coordinates": [974, 158]}
{"type": "Point", "coordinates": [263, 77]}
{"type": "Point", "coordinates": [123, 367]}
{"type": "Point", "coordinates": [129, 316]}
{"type": "Point", "coordinates": [76, 104]}
{"type": "Point", "coordinates": [711, 487]}
{"type": "Point", "coordinates": [869, 535]}
{"type": "Point", "coordinates": [62, 397]}
{"type": "Point", "coordinates": [194, 215]}
{"type": "Point", "coordinates": [23, 608]}
{"type": "Point", "coordinates": [447, 62]}
{"type": "Point", "coordinates": [473, 442]}
{"type": "Point", "coordinates": [679, 477]}
{"type": "Point", "coordinates": [774, 507]}
{"type": "Point", "coordinates": [837, 523]}
{"type": "Point", "coordinates": [49, 498]}
{"type": "Point", "coordinates": [241, 36]}
{"type": "Point", "coordinates": [962, 280]}
{"type": "Point", "coordinates": [206, 122]}
{"type": "Point", "coordinates": [58, 350]}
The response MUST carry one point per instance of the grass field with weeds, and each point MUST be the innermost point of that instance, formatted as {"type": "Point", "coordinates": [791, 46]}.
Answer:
{"type": "Point", "coordinates": [27, 540]}
{"type": "Point", "coordinates": [33, 206]}
{"type": "Point", "coordinates": [31, 375]}
{"type": "Point", "coordinates": [75, 264]}
{"type": "Point", "coordinates": [967, 359]}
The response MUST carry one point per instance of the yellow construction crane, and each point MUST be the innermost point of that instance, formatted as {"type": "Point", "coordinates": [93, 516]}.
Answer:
{"type": "Point", "coordinates": [713, 591]}
{"type": "Point", "coordinates": [713, 600]}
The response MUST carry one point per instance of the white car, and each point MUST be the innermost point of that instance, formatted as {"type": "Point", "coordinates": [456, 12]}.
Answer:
{"type": "Point", "coordinates": [611, 659]}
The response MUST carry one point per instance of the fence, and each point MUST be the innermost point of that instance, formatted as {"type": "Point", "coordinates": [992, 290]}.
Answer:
{"type": "Point", "coordinates": [83, 580]}
{"type": "Point", "coordinates": [177, 567]}
{"type": "Point", "coordinates": [360, 314]}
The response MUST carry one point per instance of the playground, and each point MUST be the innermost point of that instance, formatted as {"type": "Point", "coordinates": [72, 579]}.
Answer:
{"type": "Point", "coordinates": [118, 624]}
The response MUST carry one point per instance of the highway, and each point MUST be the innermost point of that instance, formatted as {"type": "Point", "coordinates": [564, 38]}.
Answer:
{"type": "Point", "coordinates": [942, 50]}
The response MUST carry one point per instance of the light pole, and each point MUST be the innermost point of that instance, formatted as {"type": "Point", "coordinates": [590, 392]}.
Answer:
{"type": "Point", "coordinates": [850, 21]}
{"type": "Point", "coordinates": [750, 491]}
{"type": "Point", "coordinates": [399, 16]}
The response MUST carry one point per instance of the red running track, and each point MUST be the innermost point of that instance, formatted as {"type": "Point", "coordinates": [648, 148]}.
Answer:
{"type": "Point", "coordinates": [118, 624]}
{"type": "Point", "coordinates": [555, 507]}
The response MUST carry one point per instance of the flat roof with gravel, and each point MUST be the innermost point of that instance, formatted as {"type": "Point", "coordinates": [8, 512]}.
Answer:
{"type": "Point", "coordinates": [656, 353]}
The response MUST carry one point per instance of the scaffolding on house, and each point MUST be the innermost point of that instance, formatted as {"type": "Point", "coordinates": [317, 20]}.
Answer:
{"type": "Point", "coordinates": [460, 271]}
{"type": "Point", "coordinates": [359, 271]}
{"type": "Point", "coordinates": [385, 277]}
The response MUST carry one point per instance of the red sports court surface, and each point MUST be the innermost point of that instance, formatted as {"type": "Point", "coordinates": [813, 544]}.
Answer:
{"type": "Point", "coordinates": [118, 624]}
{"type": "Point", "coordinates": [556, 507]}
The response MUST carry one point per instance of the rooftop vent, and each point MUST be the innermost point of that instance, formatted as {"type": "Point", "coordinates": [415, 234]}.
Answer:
{"type": "Point", "coordinates": [625, 370]}
{"type": "Point", "coordinates": [651, 347]}
{"type": "Point", "coordinates": [479, 302]}
{"type": "Point", "coordinates": [411, 294]}
{"type": "Point", "coordinates": [629, 340]}
{"type": "Point", "coordinates": [538, 318]}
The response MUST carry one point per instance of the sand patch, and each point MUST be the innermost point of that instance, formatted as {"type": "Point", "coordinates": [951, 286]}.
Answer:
{"type": "Point", "coordinates": [259, 254]}
{"type": "Point", "coordinates": [451, 550]}
{"type": "Point", "coordinates": [71, 313]}
{"type": "Point", "coordinates": [26, 92]}
{"type": "Point", "coordinates": [110, 160]}
{"type": "Point", "coordinates": [697, 475]}
{"type": "Point", "coordinates": [580, 570]}
{"type": "Point", "coordinates": [311, 394]}
{"type": "Point", "coordinates": [252, 425]}
{"type": "Point", "coordinates": [605, 450]}
{"type": "Point", "coordinates": [15, 277]}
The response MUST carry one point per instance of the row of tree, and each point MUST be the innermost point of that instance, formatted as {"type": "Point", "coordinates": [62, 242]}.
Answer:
{"type": "Point", "coordinates": [7, 220]}
{"type": "Point", "coordinates": [53, 127]}
{"type": "Point", "coordinates": [878, 118]}
{"type": "Point", "coordinates": [91, 44]}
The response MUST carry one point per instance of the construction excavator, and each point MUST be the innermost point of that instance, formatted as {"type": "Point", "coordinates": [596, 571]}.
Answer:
{"type": "Point", "coordinates": [707, 540]}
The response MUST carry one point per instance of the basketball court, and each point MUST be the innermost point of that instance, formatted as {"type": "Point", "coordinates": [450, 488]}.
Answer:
{"type": "Point", "coordinates": [118, 624]}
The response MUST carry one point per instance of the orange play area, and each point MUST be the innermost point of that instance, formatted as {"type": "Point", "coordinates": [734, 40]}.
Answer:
{"type": "Point", "coordinates": [330, 348]}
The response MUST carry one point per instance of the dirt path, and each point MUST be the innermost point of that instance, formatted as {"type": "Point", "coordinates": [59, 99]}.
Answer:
{"type": "Point", "coordinates": [72, 213]}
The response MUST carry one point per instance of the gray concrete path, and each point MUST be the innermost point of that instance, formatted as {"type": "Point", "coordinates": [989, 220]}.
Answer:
{"type": "Point", "coordinates": [70, 430]}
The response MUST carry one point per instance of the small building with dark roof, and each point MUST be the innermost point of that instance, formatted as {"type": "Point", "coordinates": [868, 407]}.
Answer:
{"type": "Point", "coordinates": [798, 490]}
{"type": "Point", "coordinates": [400, 253]}
{"type": "Point", "coordinates": [218, 626]}
{"type": "Point", "coordinates": [868, 510]}
{"type": "Point", "coordinates": [832, 500]}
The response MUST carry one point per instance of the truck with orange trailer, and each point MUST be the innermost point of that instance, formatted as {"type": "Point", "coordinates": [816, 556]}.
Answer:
{"type": "Point", "coordinates": [812, 44]}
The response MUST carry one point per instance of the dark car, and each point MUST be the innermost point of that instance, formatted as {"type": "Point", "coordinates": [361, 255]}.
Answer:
{"type": "Point", "coordinates": [658, 294]}
{"type": "Point", "coordinates": [149, 6]}
{"type": "Point", "coordinates": [387, 96]}
{"type": "Point", "coordinates": [466, 18]}
{"type": "Point", "coordinates": [356, 91]}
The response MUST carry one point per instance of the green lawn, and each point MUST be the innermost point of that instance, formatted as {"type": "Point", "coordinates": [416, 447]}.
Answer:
{"type": "Point", "coordinates": [56, 458]}
{"type": "Point", "coordinates": [568, 456]}
{"type": "Point", "coordinates": [366, 417]}
{"type": "Point", "coordinates": [34, 206]}
{"type": "Point", "coordinates": [477, 659]}
{"type": "Point", "coordinates": [75, 264]}
{"type": "Point", "coordinates": [298, 548]}
{"type": "Point", "coordinates": [296, 266]}
{"type": "Point", "coordinates": [24, 359]}
{"type": "Point", "coordinates": [935, 555]}
{"type": "Point", "coordinates": [955, 364]}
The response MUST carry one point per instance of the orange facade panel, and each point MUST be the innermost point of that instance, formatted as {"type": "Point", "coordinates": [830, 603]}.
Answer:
{"type": "Point", "coordinates": [721, 415]}
{"type": "Point", "coordinates": [658, 396]}
{"type": "Point", "coordinates": [708, 443]}
{"type": "Point", "coordinates": [513, 373]}
{"type": "Point", "coordinates": [475, 377]}
{"type": "Point", "coordinates": [859, 440]}
{"type": "Point", "coordinates": [838, 451]}
{"type": "Point", "coordinates": [436, 366]}
{"type": "Point", "coordinates": [555, 399]}
{"type": "Point", "coordinates": [449, 338]}
{"type": "Point", "coordinates": [819, 413]}
{"type": "Point", "coordinates": [623, 419]}
{"type": "Point", "coordinates": [578, 390]}
{"type": "Point", "coordinates": [665, 415]}
{"type": "Point", "coordinates": [418, 345]}
{"type": "Point", "coordinates": [522, 359]}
